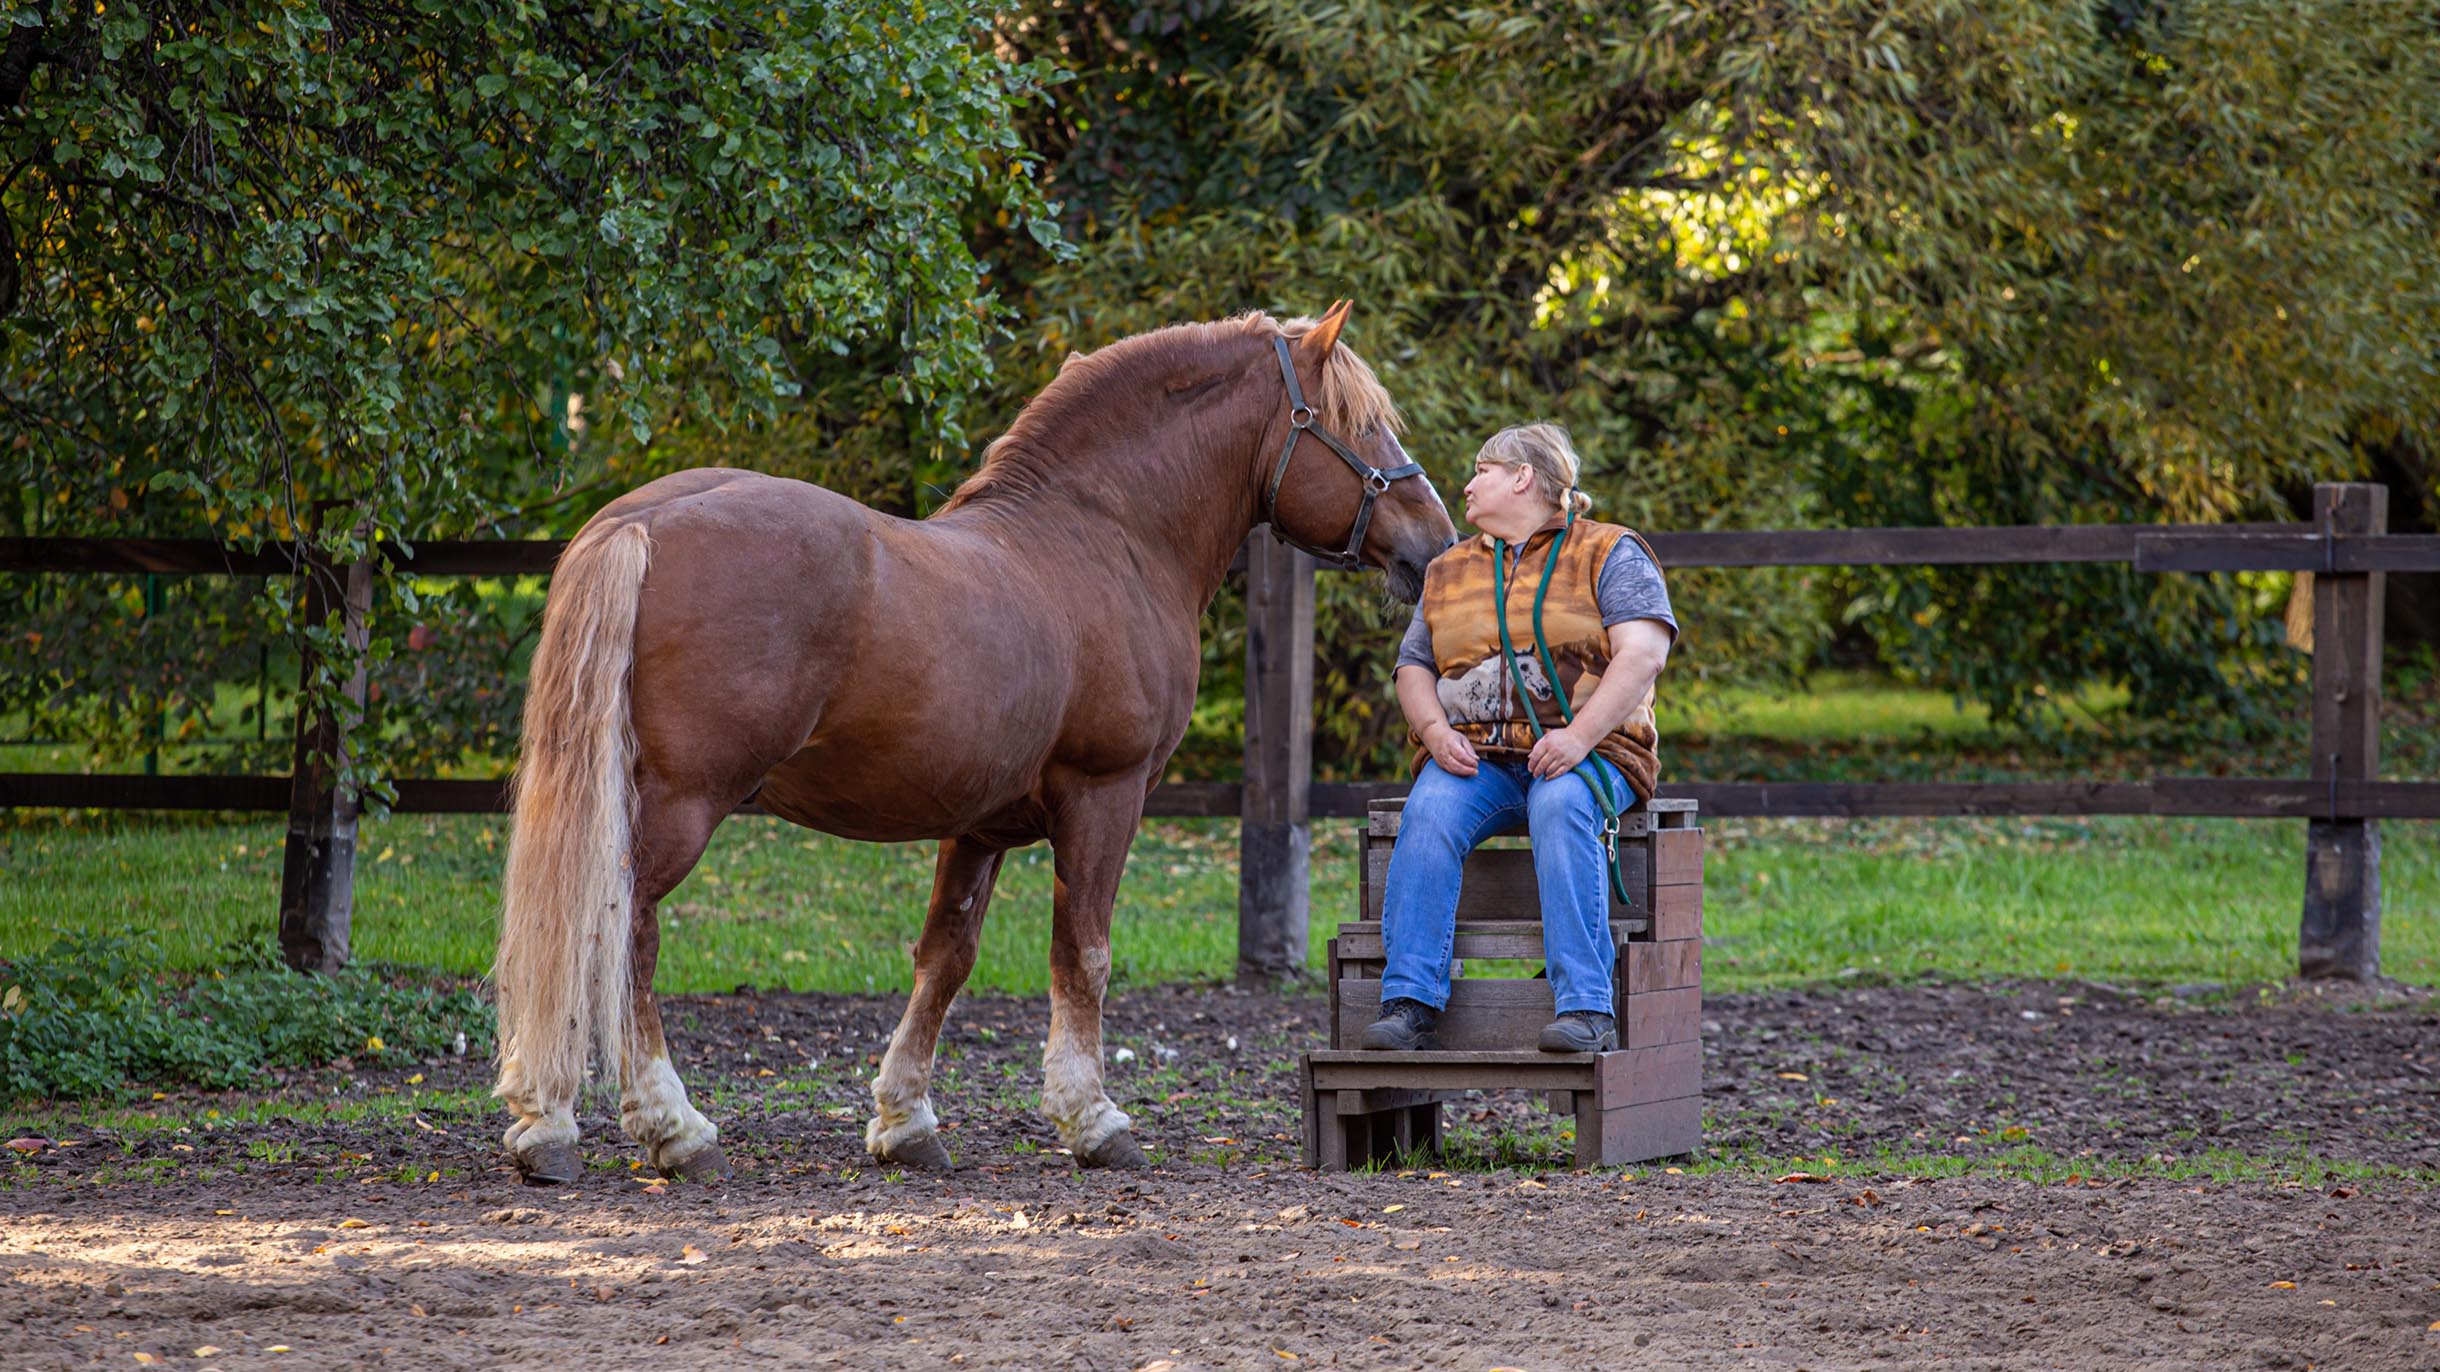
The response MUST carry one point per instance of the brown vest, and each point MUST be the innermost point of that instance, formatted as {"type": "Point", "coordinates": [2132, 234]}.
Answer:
{"type": "Point", "coordinates": [1477, 691]}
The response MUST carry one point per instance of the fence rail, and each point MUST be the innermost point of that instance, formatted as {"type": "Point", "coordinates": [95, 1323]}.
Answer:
{"type": "Point", "coordinates": [2346, 546]}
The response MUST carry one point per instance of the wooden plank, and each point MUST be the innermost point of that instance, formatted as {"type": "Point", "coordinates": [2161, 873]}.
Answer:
{"type": "Point", "coordinates": [1677, 857]}
{"type": "Point", "coordinates": [1664, 964]}
{"type": "Point", "coordinates": [2339, 932]}
{"type": "Point", "coordinates": [1659, 1017]}
{"type": "Point", "coordinates": [1620, 1135]}
{"type": "Point", "coordinates": [161, 556]}
{"type": "Point", "coordinates": [1621, 928]}
{"type": "Point", "coordinates": [1677, 912]}
{"type": "Point", "coordinates": [1382, 817]}
{"type": "Point", "coordinates": [2339, 554]}
{"type": "Point", "coordinates": [1275, 836]}
{"type": "Point", "coordinates": [43, 790]}
{"type": "Point", "coordinates": [1480, 1014]}
{"type": "Point", "coordinates": [1663, 1072]}
{"type": "Point", "coordinates": [2271, 546]}
{"type": "Point", "coordinates": [1925, 547]}
{"type": "Point", "coordinates": [211, 557]}
{"type": "Point", "coordinates": [1311, 1113]}
{"type": "Point", "coordinates": [2231, 797]}
{"type": "Point", "coordinates": [1445, 1071]}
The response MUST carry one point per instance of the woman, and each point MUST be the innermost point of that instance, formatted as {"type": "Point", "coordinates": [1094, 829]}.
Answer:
{"type": "Point", "coordinates": [1586, 607]}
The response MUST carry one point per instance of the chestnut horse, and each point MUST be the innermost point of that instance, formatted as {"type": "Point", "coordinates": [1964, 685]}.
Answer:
{"type": "Point", "coordinates": [1016, 668]}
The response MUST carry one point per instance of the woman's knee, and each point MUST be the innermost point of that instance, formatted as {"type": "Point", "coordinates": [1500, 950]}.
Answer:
{"type": "Point", "coordinates": [1564, 802]}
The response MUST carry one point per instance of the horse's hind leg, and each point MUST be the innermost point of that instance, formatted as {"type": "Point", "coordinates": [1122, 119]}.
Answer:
{"type": "Point", "coordinates": [904, 1129]}
{"type": "Point", "coordinates": [653, 1108]}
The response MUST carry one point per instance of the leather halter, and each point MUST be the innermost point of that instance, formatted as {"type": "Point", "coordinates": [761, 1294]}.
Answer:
{"type": "Point", "coordinates": [1376, 479]}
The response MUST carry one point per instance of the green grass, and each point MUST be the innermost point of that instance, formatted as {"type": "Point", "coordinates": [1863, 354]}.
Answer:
{"type": "Point", "coordinates": [2118, 899]}
{"type": "Point", "coordinates": [1841, 707]}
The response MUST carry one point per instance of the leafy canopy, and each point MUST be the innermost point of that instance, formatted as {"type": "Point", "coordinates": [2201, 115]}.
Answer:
{"type": "Point", "coordinates": [263, 257]}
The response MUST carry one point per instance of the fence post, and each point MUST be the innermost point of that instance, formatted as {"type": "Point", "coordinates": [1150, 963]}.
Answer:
{"type": "Point", "coordinates": [1274, 844]}
{"type": "Point", "coordinates": [317, 876]}
{"type": "Point", "coordinates": [2341, 933]}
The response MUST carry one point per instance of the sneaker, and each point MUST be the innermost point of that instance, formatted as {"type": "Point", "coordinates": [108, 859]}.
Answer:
{"type": "Point", "coordinates": [1405, 1026]}
{"type": "Point", "coordinates": [1581, 1031]}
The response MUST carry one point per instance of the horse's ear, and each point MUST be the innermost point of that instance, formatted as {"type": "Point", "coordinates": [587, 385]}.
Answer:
{"type": "Point", "coordinates": [1324, 335]}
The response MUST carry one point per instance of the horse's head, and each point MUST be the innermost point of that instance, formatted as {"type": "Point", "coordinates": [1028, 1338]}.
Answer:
{"type": "Point", "coordinates": [1335, 482]}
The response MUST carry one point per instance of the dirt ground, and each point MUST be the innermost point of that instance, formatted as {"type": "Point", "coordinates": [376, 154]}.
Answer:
{"type": "Point", "coordinates": [393, 1237]}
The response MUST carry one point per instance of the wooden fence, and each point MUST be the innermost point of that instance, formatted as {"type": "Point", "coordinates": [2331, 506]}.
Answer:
{"type": "Point", "coordinates": [2347, 547]}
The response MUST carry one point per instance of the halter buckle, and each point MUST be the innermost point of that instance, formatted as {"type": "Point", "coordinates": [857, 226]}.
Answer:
{"type": "Point", "coordinates": [1300, 416]}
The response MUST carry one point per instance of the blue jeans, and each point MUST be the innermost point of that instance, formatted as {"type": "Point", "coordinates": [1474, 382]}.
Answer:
{"type": "Point", "coordinates": [1445, 817]}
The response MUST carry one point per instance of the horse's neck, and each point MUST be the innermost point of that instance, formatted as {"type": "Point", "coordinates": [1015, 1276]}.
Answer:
{"type": "Point", "coordinates": [1167, 504]}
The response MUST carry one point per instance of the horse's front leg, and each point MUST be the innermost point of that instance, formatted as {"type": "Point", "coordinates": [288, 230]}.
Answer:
{"type": "Point", "coordinates": [1090, 832]}
{"type": "Point", "coordinates": [904, 1129]}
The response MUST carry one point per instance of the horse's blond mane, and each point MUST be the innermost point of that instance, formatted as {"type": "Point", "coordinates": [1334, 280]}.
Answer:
{"type": "Point", "coordinates": [1351, 401]}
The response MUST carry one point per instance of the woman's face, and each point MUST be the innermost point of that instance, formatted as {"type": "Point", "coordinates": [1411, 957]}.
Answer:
{"type": "Point", "coordinates": [1500, 498]}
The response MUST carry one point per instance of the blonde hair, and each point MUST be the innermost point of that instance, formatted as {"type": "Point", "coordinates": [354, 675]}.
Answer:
{"type": "Point", "coordinates": [1546, 450]}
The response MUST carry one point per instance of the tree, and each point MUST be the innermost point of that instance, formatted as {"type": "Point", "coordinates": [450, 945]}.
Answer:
{"type": "Point", "coordinates": [330, 274]}
{"type": "Point", "coordinates": [1784, 263]}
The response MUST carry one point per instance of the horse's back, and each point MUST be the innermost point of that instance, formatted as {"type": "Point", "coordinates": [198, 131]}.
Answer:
{"type": "Point", "coordinates": [878, 677]}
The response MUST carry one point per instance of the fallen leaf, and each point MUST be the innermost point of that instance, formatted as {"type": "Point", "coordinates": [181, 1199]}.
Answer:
{"type": "Point", "coordinates": [279, 1348]}
{"type": "Point", "coordinates": [2283, 1286]}
{"type": "Point", "coordinates": [1802, 1176]}
{"type": "Point", "coordinates": [206, 1351]}
{"type": "Point", "coordinates": [1866, 1197]}
{"type": "Point", "coordinates": [353, 1223]}
{"type": "Point", "coordinates": [1794, 1076]}
{"type": "Point", "coordinates": [416, 1080]}
{"type": "Point", "coordinates": [1391, 1209]}
{"type": "Point", "coordinates": [1407, 1245]}
{"type": "Point", "coordinates": [374, 1044]}
{"type": "Point", "coordinates": [690, 1255]}
{"type": "Point", "coordinates": [147, 1359]}
{"type": "Point", "coordinates": [1283, 1353]}
{"type": "Point", "coordinates": [26, 1145]}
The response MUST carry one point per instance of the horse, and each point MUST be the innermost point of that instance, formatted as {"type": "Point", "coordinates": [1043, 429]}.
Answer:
{"type": "Point", "coordinates": [1015, 668]}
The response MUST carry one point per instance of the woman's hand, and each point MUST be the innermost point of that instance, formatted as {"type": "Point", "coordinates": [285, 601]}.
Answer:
{"type": "Point", "coordinates": [1556, 753]}
{"type": "Point", "coordinates": [1450, 749]}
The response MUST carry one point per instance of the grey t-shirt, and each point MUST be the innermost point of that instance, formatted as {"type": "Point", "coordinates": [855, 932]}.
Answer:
{"type": "Point", "coordinates": [1629, 587]}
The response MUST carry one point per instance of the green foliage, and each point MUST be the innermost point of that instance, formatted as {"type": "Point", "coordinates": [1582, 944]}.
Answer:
{"type": "Point", "coordinates": [94, 1013]}
{"type": "Point", "coordinates": [1801, 264]}
{"type": "Point", "coordinates": [333, 275]}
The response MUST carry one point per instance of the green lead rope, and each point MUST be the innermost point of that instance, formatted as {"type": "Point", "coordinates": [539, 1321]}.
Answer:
{"type": "Point", "coordinates": [1610, 808]}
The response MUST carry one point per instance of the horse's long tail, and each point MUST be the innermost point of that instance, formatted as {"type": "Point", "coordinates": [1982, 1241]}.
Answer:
{"type": "Point", "coordinates": [561, 974]}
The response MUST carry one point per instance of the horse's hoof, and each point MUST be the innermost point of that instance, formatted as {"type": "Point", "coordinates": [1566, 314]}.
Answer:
{"type": "Point", "coordinates": [552, 1164]}
{"type": "Point", "coordinates": [1118, 1151]}
{"type": "Point", "coordinates": [705, 1164]}
{"type": "Point", "coordinates": [924, 1153]}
